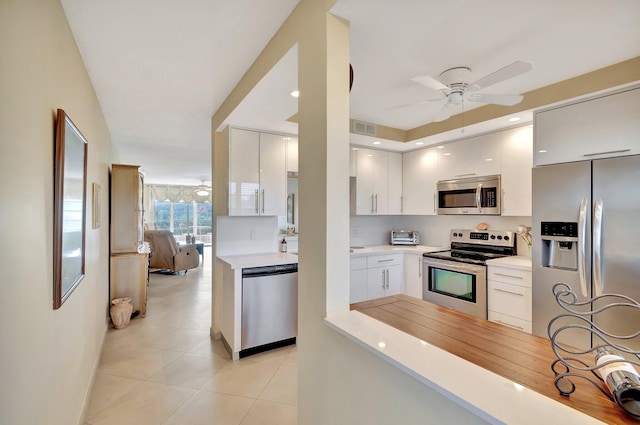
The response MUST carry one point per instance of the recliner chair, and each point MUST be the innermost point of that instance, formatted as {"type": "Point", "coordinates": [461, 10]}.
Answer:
{"type": "Point", "coordinates": [167, 255]}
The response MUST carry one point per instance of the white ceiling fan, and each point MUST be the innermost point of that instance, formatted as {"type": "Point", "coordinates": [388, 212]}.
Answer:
{"type": "Point", "coordinates": [455, 86]}
{"type": "Point", "coordinates": [203, 190]}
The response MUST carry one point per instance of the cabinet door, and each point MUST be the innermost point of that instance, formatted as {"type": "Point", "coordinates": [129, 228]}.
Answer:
{"type": "Point", "coordinates": [517, 161]}
{"type": "Point", "coordinates": [394, 184]}
{"type": "Point", "coordinates": [476, 156]}
{"type": "Point", "coordinates": [395, 282]}
{"type": "Point", "coordinates": [273, 174]}
{"type": "Point", "coordinates": [292, 154]}
{"type": "Point", "coordinates": [419, 180]}
{"type": "Point", "coordinates": [126, 208]}
{"type": "Point", "coordinates": [357, 286]}
{"type": "Point", "coordinates": [368, 163]}
{"type": "Point", "coordinates": [244, 178]}
{"type": "Point", "coordinates": [413, 275]}
{"type": "Point", "coordinates": [592, 129]}
{"type": "Point", "coordinates": [377, 282]}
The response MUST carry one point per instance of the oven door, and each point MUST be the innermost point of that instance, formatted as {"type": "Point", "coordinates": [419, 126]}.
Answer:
{"type": "Point", "coordinates": [457, 285]}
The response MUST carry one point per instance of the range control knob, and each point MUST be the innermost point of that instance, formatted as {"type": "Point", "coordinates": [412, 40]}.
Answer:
{"type": "Point", "coordinates": [499, 237]}
{"type": "Point", "coordinates": [493, 236]}
{"type": "Point", "coordinates": [506, 238]}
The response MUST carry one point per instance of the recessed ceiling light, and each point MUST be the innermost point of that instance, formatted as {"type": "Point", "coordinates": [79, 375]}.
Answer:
{"type": "Point", "coordinates": [447, 154]}
{"type": "Point", "coordinates": [295, 93]}
{"type": "Point", "coordinates": [488, 159]}
{"type": "Point", "coordinates": [542, 151]}
{"type": "Point", "coordinates": [381, 344]}
{"type": "Point", "coordinates": [354, 149]}
{"type": "Point", "coordinates": [514, 119]}
{"type": "Point", "coordinates": [377, 142]}
{"type": "Point", "coordinates": [440, 147]}
{"type": "Point", "coordinates": [419, 143]}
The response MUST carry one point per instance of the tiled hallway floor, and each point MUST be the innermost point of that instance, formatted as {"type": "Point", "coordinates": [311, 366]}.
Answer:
{"type": "Point", "coordinates": [164, 369]}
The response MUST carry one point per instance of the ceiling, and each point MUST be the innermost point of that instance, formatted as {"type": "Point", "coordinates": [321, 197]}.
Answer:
{"type": "Point", "coordinates": [161, 69]}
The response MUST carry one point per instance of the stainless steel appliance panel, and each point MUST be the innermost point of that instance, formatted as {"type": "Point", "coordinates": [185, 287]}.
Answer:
{"type": "Point", "coordinates": [269, 308]}
{"type": "Point", "coordinates": [558, 192]}
{"type": "Point", "coordinates": [476, 275]}
{"type": "Point", "coordinates": [616, 248]}
{"type": "Point", "coordinates": [470, 196]}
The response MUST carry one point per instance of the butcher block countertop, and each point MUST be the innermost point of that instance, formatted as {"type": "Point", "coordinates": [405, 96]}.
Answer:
{"type": "Point", "coordinates": [517, 356]}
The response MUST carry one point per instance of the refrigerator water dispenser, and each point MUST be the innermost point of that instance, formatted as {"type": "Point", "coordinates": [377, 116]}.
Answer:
{"type": "Point", "coordinates": [559, 245]}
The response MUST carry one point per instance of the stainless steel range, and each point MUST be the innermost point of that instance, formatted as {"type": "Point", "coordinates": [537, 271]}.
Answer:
{"type": "Point", "coordinates": [457, 278]}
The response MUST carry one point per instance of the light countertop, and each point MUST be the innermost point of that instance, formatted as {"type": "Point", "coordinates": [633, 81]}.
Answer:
{"type": "Point", "coordinates": [244, 261]}
{"type": "Point", "coordinates": [515, 262]}
{"type": "Point", "coordinates": [386, 249]}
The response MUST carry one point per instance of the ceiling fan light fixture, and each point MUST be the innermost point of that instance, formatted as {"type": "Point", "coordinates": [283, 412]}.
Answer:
{"type": "Point", "coordinates": [202, 192]}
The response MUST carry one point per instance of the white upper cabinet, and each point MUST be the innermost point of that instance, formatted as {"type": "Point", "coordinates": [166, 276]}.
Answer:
{"type": "Point", "coordinates": [476, 156]}
{"type": "Point", "coordinates": [419, 182]}
{"type": "Point", "coordinates": [372, 182]}
{"type": "Point", "coordinates": [597, 128]}
{"type": "Point", "coordinates": [517, 160]}
{"type": "Point", "coordinates": [292, 154]}
{"type": "Point", "coordinates": [273, 174]}
{"type": "Point", "coordinates": [394, 179]}
{"type": "Point", "coordinates": [244, 172]}
{"type": "Point", "coordinates": [255, 165]}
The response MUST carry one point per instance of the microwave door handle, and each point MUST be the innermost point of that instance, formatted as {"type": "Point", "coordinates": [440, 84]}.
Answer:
{"type": "Point", "coordinates": [479, 197]}
{"type": "Point", "coordinates": [582, 241]}
{"type": "Point", "coordinates": [598, 283]}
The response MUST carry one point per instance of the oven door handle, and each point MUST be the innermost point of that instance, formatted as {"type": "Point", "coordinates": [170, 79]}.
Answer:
{"type": "Point", "coordinates": [479, 197]}
{"type": "Point", "coordinates": [452, 265]}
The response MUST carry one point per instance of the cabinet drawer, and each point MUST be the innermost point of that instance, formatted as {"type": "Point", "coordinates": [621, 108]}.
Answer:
{"type": "Point", "coordinates": [357, 263]}
{"type": "Point", "coordinates": [509, 275]}
{"type": "Point", "coordinates": [384, 260]}
{"type": "Point", "coordinates": [512, 322]}
{"type": "Point", "coordinates": [509, 299]}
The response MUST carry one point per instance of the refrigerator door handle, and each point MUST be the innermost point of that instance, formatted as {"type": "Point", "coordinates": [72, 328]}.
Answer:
{"type": "Point", "coordinates": [479, 197]}
{"type": "Point", "coordinates": [598, 283]}
{"type": "Point", "coordinates": [582, 242]}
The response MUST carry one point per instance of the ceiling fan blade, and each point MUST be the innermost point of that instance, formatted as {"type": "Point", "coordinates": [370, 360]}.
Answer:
{"type": "Point", "coordinates": [444, 113]}
{"type": "Point", "coordinates": [417, 102]}
{"type": "Point", "coordinates": [430, 82]}
{"type": "Point", "coordinates": [497, 99]}
{"type": "Point", "coordinates": [502, 74]}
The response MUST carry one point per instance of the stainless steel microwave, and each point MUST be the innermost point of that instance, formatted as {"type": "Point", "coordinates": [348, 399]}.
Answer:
{"type": "Point", "coordinates": [470, 196]}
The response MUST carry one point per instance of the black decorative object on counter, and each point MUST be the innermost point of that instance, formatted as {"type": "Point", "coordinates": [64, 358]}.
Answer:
{"type": "Point", "coordinates": [613, 368]}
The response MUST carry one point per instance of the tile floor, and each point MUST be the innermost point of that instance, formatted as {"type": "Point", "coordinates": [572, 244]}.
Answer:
{"type": "Point", "coordinates": [164, 369]}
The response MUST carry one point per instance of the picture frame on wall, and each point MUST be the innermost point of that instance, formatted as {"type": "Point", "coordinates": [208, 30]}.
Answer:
{"type": "Point", "coordinates": [69, 199]}
{"type": "Point", "coordinates": [95, 212]}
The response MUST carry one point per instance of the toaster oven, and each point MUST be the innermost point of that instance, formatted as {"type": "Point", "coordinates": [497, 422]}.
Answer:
{"type": "Point", "coordinates": [404, 237]}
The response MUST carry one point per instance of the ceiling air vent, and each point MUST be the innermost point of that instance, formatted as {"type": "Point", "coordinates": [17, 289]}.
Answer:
{"type": "Point", "coordinates": [365, 128]}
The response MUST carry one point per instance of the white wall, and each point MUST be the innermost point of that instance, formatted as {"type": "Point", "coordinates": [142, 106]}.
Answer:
{"type": "Point", "coordinates": [47, 357]}
{"type": "Point", "coordinates": [246, 235]}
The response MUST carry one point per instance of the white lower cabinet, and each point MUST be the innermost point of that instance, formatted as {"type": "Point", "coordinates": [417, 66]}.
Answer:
{"type": "Point", "coordinates": [509, 296]}
{"type": "Point", "coordinates": [375, 276]}
{"type": "Point", "coordinates": [413, 274]}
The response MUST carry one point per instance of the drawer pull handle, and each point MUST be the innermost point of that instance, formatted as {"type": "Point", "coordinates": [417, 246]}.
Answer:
{"type": "Point", "coordinates": [510, 325]}
{"type": "Point", "coordinates": [509, 275]}
{"type": "Point", "coordinates": [384, 261]}
{"type": "Point", "coordinates": [508, 292]}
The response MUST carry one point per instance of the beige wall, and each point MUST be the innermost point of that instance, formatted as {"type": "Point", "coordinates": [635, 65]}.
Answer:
{"type": "Point", "coordinates": [47, 357]}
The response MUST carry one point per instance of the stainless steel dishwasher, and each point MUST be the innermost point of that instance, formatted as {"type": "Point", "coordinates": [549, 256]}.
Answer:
{"type": "Point", "coordinates": [269, 307]}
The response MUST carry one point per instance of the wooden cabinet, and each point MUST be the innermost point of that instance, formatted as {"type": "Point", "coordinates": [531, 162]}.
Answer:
{"type": "Point", "coordinates": [419, 182]}
{"type": "Point", "coordinates": [129, 256]}
{"type": "Point", "coordinates": [596, 128]}
{"type": "Point", "coordinates": [378, 182]}
{"type": "Point", "coordinates": [517, 161]}
{"type": "Point", "coordinates": [476, 156]}
{"type": "Point", "coordinates": [509, 296]}
{"type": "Point", "coordinates": [252, 169]}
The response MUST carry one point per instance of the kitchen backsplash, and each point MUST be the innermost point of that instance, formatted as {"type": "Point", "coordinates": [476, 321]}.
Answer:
{"type": "Point", "coordinates": [434, 230]}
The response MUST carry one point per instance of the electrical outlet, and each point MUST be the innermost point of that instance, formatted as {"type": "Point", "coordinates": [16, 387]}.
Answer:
{"type": "Point", "coordinates": [355, 231]}
{"type": "Point", "coordinates": [253, 235]}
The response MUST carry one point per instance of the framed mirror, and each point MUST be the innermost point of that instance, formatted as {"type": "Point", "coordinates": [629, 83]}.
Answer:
{"type": "Point", "coordinates": [69, 200]}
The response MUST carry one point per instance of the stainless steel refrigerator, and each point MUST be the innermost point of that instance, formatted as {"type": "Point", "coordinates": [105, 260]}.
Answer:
{"type": "Point", "coordinates": [586, 222]}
